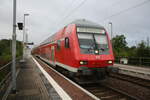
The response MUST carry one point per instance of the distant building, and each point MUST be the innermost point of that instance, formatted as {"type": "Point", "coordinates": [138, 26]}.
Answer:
{"type": "Point", "coordinates": [123, 61]}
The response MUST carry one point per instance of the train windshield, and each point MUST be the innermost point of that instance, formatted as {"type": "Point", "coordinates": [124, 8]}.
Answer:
{"type": "Point", "coordinates": [86, 41]}
{"type": "Point", "coordinates": [89, 42]}
{"type": "Point", "coordinates": [101, 41]}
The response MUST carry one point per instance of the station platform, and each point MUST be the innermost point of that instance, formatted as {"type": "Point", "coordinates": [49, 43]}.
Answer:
{"type": "Point", "coordinates": [36, 81]}
{"type": "Point", "coordinates": [139, 68]}
{"type": "Point", "coordinates": [136, 71]}
{"type": "Point", "coordinates": [29, 84]}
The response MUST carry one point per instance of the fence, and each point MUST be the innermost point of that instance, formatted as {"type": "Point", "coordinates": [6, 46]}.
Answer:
{"type": "Point", "coordinates": [5, 73]}
{"type": "Point", "coordinates": [5, 77]}
{"type": "Point", "coordinates": [139, 61]}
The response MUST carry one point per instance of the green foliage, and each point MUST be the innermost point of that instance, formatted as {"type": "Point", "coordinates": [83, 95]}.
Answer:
{"type": "Point", "coordinates": [121, 49]}
{"type": "Point", "coordinates": [143, 50]}
{"type": "Point", "coordinates": [132, 51]}
{"type": "Point", "coordinates": [119, 41]}
{"type": "Point", "coordinates": [5, 50]}
{"type": "Point", "coordinates": [120, 45]}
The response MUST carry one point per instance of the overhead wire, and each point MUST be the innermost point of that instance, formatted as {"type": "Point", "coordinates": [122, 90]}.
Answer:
{"type": "Point", "coordinates": [127, 9]}
{"type": "Point", "coordinates": [82, 2]}
{"type": "Point", "coordinates": [116, 14]}
{"type": "Point", "coordinates": [73, 10]}
{"type": "Point", "coordinates": [71, 3]}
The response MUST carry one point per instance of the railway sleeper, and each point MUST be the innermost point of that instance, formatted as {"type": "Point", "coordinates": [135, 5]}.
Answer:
{"type": "Point", "coordinates": [113, 97]}
{"type": "Point", "coordinates": [97, 90]}
{"type": "Point", "coordinates": [108, 95]}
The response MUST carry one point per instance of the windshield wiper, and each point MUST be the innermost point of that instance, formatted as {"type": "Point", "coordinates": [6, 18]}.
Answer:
{"type": "Point", "coordinates": [92, 46]}
{"type": "Point", "coordinates": [102, 49]}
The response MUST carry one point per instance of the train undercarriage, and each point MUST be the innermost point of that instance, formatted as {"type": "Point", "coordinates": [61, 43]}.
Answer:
{"type": "Point", "coordinates": [84, 75]}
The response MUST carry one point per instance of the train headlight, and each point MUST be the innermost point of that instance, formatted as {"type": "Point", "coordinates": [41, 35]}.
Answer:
{"type": "Point", "coordinates": [96, 51]}
{"type": "Point", "coordinates": [83, 62]}
{"type": "Point", "coordinates": [110, 62]}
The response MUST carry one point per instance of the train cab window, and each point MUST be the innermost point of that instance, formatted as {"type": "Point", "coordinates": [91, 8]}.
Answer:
{"type": "Point", "coordinates": [67, 42]}
{"type": "Point", "coordinates": [86, 41]}
{"type": "Point", "coordinates": [89, 42]}
{"type": "Point", "coordinates": [101, 41]}
{"type": "Point", "coordinates": [58, 44]}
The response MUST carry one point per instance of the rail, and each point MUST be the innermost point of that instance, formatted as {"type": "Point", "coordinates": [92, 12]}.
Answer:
{"type": "Point", "coordinates": [138, 61]}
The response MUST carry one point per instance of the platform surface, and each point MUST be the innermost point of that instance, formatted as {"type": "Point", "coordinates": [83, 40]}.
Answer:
{"type": "Point", "coordinates": [29, 84]}
{"type": "Point", "coordinates": [136, 71]}
{"type": "Point", "coordinates": [136, 68]}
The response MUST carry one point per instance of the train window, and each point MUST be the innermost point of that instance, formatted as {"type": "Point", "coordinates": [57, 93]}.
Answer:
{"type": "Point", "coordinates": [92, 41]}
{"type": "Point", "coordinates": [85, 36]}
{"type": "Point", "coordinates": [58, 44]}
{"type": "Point", "coordinates": [102, 42]}
{"type": "Point", "coordinates": [100, 39]}
{"type": "Point", "coordinates": [67, 42]}
{"type": "Point", "coordinates": [86, 40]}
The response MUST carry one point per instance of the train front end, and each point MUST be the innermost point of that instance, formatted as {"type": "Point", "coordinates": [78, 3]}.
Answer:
{"type": "Point", "coordinates": [95, 51]}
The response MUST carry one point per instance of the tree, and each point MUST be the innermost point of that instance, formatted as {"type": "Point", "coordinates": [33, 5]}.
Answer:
{"type": "Point", "coordinates": [143, 50]}
{"type": "Point", "coordinates": [120, 45]}
{"type": "Point", "coordinates": [132, 51]}
{"type": "Point", "coordinates": [5, 50]}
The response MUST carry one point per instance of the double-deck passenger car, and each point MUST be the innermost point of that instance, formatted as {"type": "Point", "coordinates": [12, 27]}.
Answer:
{"type": "Point", "coordinates": [81, 48]}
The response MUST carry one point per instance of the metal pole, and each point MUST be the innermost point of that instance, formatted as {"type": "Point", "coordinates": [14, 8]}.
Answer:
{"type": "Point", "coordinates": [14, 48]}
{"type": "Point", "coordinates": [23, 37]}
{"type": "Point", "coordinates": [111, 28]}
{"type": "Point", "coordinates": [26, 37]}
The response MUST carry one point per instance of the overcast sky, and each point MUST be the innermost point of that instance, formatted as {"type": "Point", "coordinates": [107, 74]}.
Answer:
{"type": "Point", "coordinates": [129, 17]}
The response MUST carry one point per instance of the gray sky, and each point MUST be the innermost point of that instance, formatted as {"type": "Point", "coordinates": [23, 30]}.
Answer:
{"type": "Point", "coordinates": [48, 16]}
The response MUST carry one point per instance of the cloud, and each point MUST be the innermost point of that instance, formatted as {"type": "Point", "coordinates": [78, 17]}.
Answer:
{"type": "Point", "coordinates": [48, 16]}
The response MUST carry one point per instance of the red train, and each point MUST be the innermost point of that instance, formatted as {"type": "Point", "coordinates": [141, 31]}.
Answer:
{"type": "Point", "coordinates": [80, 48]}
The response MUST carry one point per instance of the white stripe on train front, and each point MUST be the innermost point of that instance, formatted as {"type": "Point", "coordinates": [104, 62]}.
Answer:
{"type": "Point", "coordinates": [70, 68]}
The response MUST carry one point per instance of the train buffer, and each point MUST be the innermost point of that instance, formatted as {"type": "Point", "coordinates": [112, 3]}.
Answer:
{"type": "Point", "coordinates": [136, 71]}
{"type": "Point", "coordinates": [34, 83]}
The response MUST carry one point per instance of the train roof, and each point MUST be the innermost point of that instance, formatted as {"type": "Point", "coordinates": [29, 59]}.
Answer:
{"type": "Point", "coordinates": [86, 23]}
{"type": "Point", "coordinates": [80, 23]}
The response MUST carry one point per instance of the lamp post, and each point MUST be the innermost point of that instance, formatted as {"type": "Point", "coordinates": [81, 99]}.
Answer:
{"type": "Point", "coordinates": [24, 36]}
{"type": "Point", "coordinates": [14, 49]}
{"type": "Point", "coordinates": [111, 28]}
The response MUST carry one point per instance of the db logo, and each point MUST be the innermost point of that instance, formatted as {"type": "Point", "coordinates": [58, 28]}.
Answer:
{"type": "Point", "coordinates": [98, 57]}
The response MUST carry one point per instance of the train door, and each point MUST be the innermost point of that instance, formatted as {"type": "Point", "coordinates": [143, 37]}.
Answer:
{"type": "Point", "coordinates": [53, 55]}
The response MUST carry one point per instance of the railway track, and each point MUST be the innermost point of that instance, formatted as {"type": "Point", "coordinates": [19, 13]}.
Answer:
{"type": "Point", "coordinates": [134, 80]}
{"type": "Point", "coordinates": [106, 93]}
{"type": "Point", "coordinates": [119, 87]}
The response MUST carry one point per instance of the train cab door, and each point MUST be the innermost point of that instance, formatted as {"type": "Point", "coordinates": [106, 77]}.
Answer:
{"type": "Point", "coordinates": [53, 55]}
